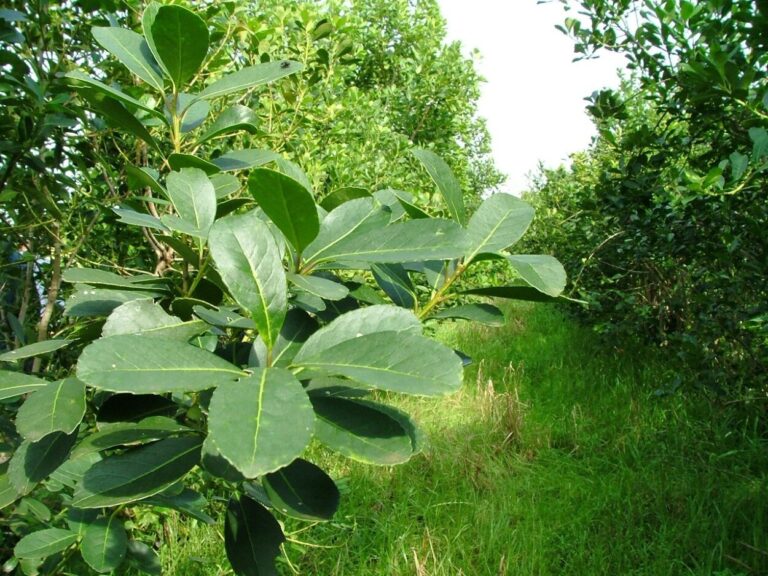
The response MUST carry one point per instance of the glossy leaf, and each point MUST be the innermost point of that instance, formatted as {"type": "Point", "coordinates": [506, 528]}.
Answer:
{"type": "Point", "coordinates": [236, 118]}
{"type": "Point", "coordinates": [194, 115]}
{"type": "Point", "coordinates": [44, 543]}
{"type": "Point", "coordinates": [194, 198]}
{"type": "Point", "coordinates": [358, 430]}
{"type": "Point", "coordinates": [128, 433]}
{"type": "Point", "coordinates": [322, 287]}
{"type": "Point", "coordinates": [177, 161]}
{"type": "Point", "coordinates": [244, 159]}
{"type": "Point", "coordinates": [287, 203]}
{"type": "Point", "coordinates": [252, 538]}
{"type": "Point", "coordinates": [33, 462]}
{"type": "Point", "coordinates": [338, 197]}
{"type": "Point", "coordinates": [149, 319]}
{"type": "Point", "coordinates": [59, 407]}
{"type": "Point", "coordinates": [481, 313]}
{"type": "Point", "coordinates": [104, 544]}
{"type": "Point", "coordinates": [138, 473]}
{"type": "Point", "coordinates": [118, 115]}
{"type": "Point", "coordinates": [261, 423]}
{"type": "Point", "coordinates": [302, 490]}
{"type": "Point", "coordinates": [138, 365]}
{"type": "Point", "coordinates": [133, 51]}
{"type": "Point", "coordinates": [80, 79]}
{"type": "Point", "coordinates": [14, 384]}
{"type": "Point", "coordinates": [544, 273]}
{"type": "Point", "coordinates": [250, 77]}
{"type": "Point", "coordinates": [446, 183]}
{"type": "Point", "coordinates": [249, 263]}
{"type": "Point", "coordinates": [500, 221]}
{"type": "Point", "coordinates": [36, 349]}
{"type": "Point", "coordinates": [179, 42]}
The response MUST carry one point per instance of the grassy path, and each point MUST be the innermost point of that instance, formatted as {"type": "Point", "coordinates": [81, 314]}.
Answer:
{"type": "Point", "coordinates": [556, 458]}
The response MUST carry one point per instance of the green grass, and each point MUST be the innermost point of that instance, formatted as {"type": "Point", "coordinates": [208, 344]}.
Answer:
{"type": "Point", "coordinates": [556, 458]}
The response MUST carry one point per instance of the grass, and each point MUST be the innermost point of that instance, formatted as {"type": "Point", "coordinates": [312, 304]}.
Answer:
{"type": "Point", "coordinates": [555, 458]}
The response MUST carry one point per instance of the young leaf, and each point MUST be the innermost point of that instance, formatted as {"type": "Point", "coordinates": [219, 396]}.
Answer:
{"type": "Point", "coordinates": [104, 544]}
{"type": "Point", "coordinates": [298, 326]}
{"type": "Point", "coordinates": [44, 543]}
{"type": "Point", "coordinates": [138, 365]}
{"type": "Point", "coordinates": [262, 422]}
{"type": "Point", "coordinates": [544, 273]}
{"type": "Point", "coordinates": [288, 204]}
{"type": "Point", "coordinates": [59, 407]}
{"type": "Point", "coordinates": [252, 538]}
{"type": "Point", "coordinates": [446, 183]}
{"type": "Point", "coordinates": [500, 221]}
{"type": "Point", "coordinates": [250, 77]}
{"type": "Point", "coordinates": [481, 313]}
{"type": "Point", "coordinates": [133, 51]}
{"type": "Point", "coordinates": [234, 119]}
{"type": "Point", "coordinates": [249, 263]}
{"type": "Point", "coordinates": [137, 473]}
{"type": "Point", "coordinates": [33, 462]}
{"type": "Point", "coordinates": [36, 349]}
{"type": "Point", "coordinates": [14, 384]}
{"type": "Point", "coordinates": [194, 198]}
{"type": "Point", "coordinates": [360, 431]}
{"type": "Point", "coordinates": [302, 490]}
{"type": "Point", "coordinates": [179, 42]}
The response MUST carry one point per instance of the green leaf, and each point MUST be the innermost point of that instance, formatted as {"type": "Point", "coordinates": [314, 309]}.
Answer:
{"type": "Point", "coordinates": [145, 177]}
{"type": "Point", "coordinates": [322, 287]}
{"type": "Point", "coordinates": [234, 119]}
{"type": "Point", "coordinates": [83, 80]}
{"type": "Point", "coordinates": [250, 77]}
{"type": "Point", "coordinates": [341, 195]}
{"type": "Point", "coordinates": [298, 326]}
{"type": "Point", "coordinates": [133, 51]}
{"type": "Point", "coordinates": [149, 319]}
{"type": "Point", "coordinates": [128, 216]}
{"type": "Point", "coordinates": [214, 463]}
{"type": "Point", "coordinates": [59, 407]}
{"type": "Point", "coordinates": [33, 462]}
{"type": "Point", "coordinates": [252, 538]}
{"type": "Point", "coordinates": [261, 423]}
{"type": "Point", "coordinates": [739, 165]}
{"type": "Point", "coordinates": [36, 349]}
{"type": "Point", "coordinates": [135, 407]}
{"type": "Point", "coordinates": [87, 301]}
{"type": "Point", "coordinates": [249, 263]}
{"type": "Point", "coordinates": [128, 433]}
{"type": "Point", "coordinates": [544, 273]}
{"type": "Point", "coordinates": [302, 490]}
{"type": "Point", "coordinates": [394, 361]}
{"type": "Point", "coordinates": [481, 313]}
{"type": "Point", "coordinates": [194, 198]}
{"type": "Point", "coordinates": [194, 114]}
{"type": "Point", "coordinates": [104, 544]}
{"type": "Point", "coordinates": [526, 293]}
{"type": "Point", "coordinates": [44, 543]}
{"type": "Point", "coordinates": [118, 115]}
{"type": "Point", "coordinates": [71, 472]}
{"type": "Point", "coordinates": [138, 365]}
{"type": "Point", "coordinates": [179, 42]}
{"type": "Point", "coordinates": [360, 431]}
{"type": "Point", "coordinates": [144, 558]}
{"type": "Point", "coordinates": [225, 184]}
{"type": "Point", "coordinates": [187, 501]}
{"type": "Point", "coordinates": [96, 277]}
{"type": "Point", "coordinates": [500, 221]}
{"type": "Point", "coordinates": [394, 280]}
{"type": "Point", "coordinates": [177, 161]}
{"type": "Point", "coordinates": [224, 318]}
{"type": "Point", "coordinates": [446, 183]}
{"type": "Point", "coordinates": [14, 384]}
{"type": "Point", "coordinates": [288, 204]}
{"type": "Point", "coordinates": [244, 159]}
{"type": "Point", "coordinates": [138, 473]}
{"type": "Point", "coordinates": [8, 492]}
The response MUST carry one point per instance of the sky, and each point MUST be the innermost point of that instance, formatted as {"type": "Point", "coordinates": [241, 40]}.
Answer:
{"type": "Point", "coordinates": [533, 99]}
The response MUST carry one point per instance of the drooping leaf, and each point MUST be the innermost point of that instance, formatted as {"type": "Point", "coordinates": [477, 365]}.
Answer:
{"type": "Point", "coordinates": [104, 543]}
{"type": "Point", "coordinates": [249, 263]}
{"type": "Point", "coordinates": [187, 501]}
{"type": "Point", "coordinates": [394, 280]}
{"type": "Point", "coordinates": [14, 384]}
{"type": "Point", "coordinates": [252, 538]}
{"type": "Point", "coordinates": [138, 365]}
{"type": "Point", "coordinates": [177, 161]}
{"type": "Point", "coordinates": [36, 349]}
{"type": "Point", "coordinates": [214, 463]}
{"type": "Point", "coordinates": [288, 204]}
{"type": "Point", "coordinates": [542, 272]}
{"type": "Point", "coordinates": [133, 51]}
{"type": "Point", "coordinates": [500, 221]}
{"type": "Point", "coordinates": [526, 293]}
{"type": "Point", "coordinates": [341, 195]}
{"type": "Point", "coordinates": [149, 319]}
{"type": "Point", "coordinates": [394, 361]}
{"type": "Point", "coordinates": [179, 42]}
{"type": "Point", "coordinates": [128, 433]}
{"type": "Point", "coordinates": [137, 474]}
{"type": "Point", "coordinates": [250, 77]}
{"type": "Point", "coordinates": [446, 183]}
{"type": "Point", "coordinates": [81, 79]}
{"type": "Point", "coordinates": [244, 159]}
{"type": "Point", "coordinates": [225, 184]}
{"type": "Point", "coordinates": [481, 313]}
{"type": "Point", "coordinates": [322, 287]}
{"type": "Point", "coordinates": [236, 118]}
{"type": "Point", "coordinates": [360, 431]}
{"type": "Point", "coordinates": [33, 462]}
{"type": "Point", "coordinates": [302, 490]}
{"type": "Point", "coordinates": [194, 198]}
{"type": "Point", "coordinates": [59, 407]}
{"type": "Point", "coordinates": [44, 543]}
{"type": "Point", "coordinates": [118, 115]}
{"type": "Point", "coordinates": [128, 216]}
{"type": "Point", "coordinates": [262, 422]}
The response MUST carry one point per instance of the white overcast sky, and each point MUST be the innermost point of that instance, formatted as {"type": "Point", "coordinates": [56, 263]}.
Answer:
{"type": "Point", "coordinates": [533, 98]}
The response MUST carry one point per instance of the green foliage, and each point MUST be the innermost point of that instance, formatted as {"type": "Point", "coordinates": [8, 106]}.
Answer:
{"type": "Point", "coordinates": [260, 330]}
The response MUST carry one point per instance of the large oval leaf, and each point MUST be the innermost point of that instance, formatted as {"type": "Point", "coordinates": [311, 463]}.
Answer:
{"type": "Point", "coordinates": [262, 422]}
{"type": "Point", "coordinates": [194, 198]}
{"type": "Point", "coordinates": [43, 543]}
{"type": "Point", "coordinates": [252, 538]}
{"type": "Point", "coordinates": [544, 273]}
{"type": "Point", "coordinates": [179, 42]}
{"type": "Point", "coordinates": [446, 183]}
{"type": "Point", "coordinates": [249, 263]}
{"type": "Point", "coordinates": [250, 77]}
{"type": "Point", "coordinates": [104, 544]}
{"type": "Point", "coordinates": [136, 364]}
{"type": "Point", "coordinates": [500, 221]}
{"type": "Point", "coordinates": [288, 204]}
{"type": "Point", "coordinates": [59, 407]}
{"type": "Point", "coordinates": [132, 50]}
{"type": "Point", "coordinates": [302, 490]}
{"type": "Point", "coordinates": [138, 473]}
